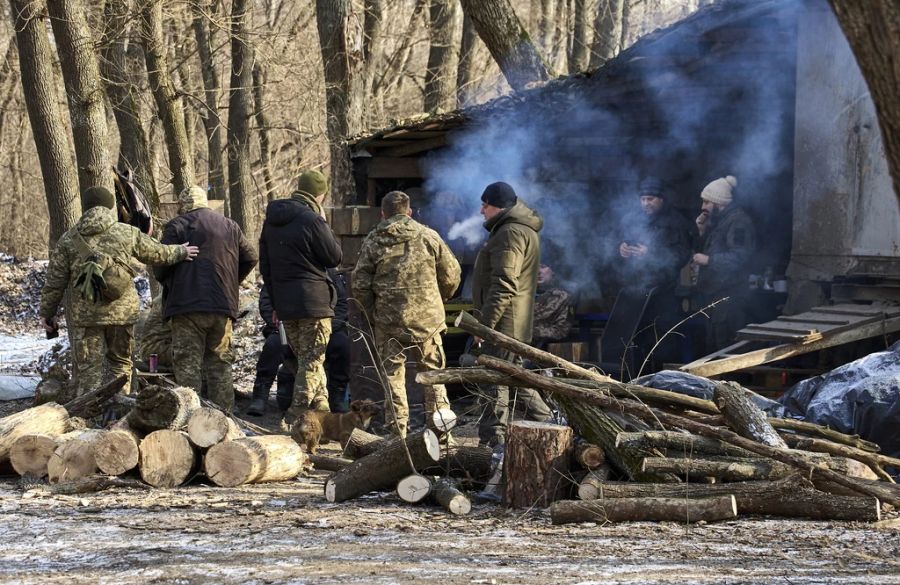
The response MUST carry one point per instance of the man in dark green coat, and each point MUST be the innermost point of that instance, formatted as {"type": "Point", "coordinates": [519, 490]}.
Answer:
{"type": "Point", "coordinates": [504, 287]}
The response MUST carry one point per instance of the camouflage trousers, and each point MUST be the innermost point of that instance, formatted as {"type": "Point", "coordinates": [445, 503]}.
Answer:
{"type": "Point", "coordinates": [309, 340]}
{"type": "Point", "coordinates": [202, 341]}
{"type": "Point", "coordinates": [428, 355]}
{"type": "Point", "coordinates": [95, 349]}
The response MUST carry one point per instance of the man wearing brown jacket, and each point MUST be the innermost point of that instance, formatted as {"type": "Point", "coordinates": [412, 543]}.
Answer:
{"type": "Point", "coordinates": [504, 287]}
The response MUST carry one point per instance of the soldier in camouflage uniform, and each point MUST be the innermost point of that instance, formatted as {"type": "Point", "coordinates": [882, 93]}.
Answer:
{"type": "Point", "coordinates": [552, 309]}
{"type": "Point", "coordinates": [403, 275]}
{"type": "Point", "coordinates": [101, 332]}
{"type": "Point", "coordinates": [155, 336]}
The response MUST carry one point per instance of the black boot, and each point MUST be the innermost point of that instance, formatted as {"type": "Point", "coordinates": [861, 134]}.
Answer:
{"type": "Point", "coordinates": [258, 402]}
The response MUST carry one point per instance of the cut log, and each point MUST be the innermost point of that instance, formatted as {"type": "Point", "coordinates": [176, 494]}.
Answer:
{"type": "Point", "coordinates": [536, 464]}
{"type": "Point", "coordinates": [744, 417]}
{"type": "Point", "coordinates": [683, 444]}
{"type": "Point", "coordinates": [73, 459]}
{"type": "Point", "coordinates": [881, 490]}
{"type": "Point", "coordinates": [94, 403]}
{"type": "Point", "coordinates": [159, 408]}
{"type": "Point", "coordinates": [95, 483]}
{"type": "Point", "coordinates": [414, 488]}
{"type": "Point", "coordinates": [644, 510]}
{"type": "Point", "coordinates": [589, 456]}
{"type": "Point", "coordinates": [591, 485]}
{"type": "Point", "coordinates": [746, 469]}
{"type": "Point", "coordinates": [254, 460]}
{"type": "Point", "coordinates": [47, 419]}
{"type": "Point", "coordinates": [327, 462]}
{"type": "Point", "coordinates": [873, 460]}
{"type": "Point", "coordinates": [383, 468]}
{"type": "Point", "coordinates": [807, 428]}
{"type": "Point", "coordinates": [471, 465]}
{"type": "Point", "coordinates": [208, 426]}
{"type": "Point", "coordinates": [790, 497]}
{"type": "Point", "coordinates": [362, 443]}
{"type": "Point", "coordinates": [454, 501]}
{"type": "Point", "coordinates": [443, 419]}
{"type": "Point", "coordinates": [30, 453]}
{"type": "Point", "coordinates": [118, 450]}
{"type": "Point", "coordinates": [167, 458]}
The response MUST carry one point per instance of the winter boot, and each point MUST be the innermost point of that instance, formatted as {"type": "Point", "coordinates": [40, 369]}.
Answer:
{"type": "Point", "coordinates": [258, 401]}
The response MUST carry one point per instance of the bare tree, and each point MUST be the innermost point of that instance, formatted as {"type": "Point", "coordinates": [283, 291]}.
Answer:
{"type": "Point", "coordinates": [373, 56]}
{"type": "Point", "coordinates": [204, 11]}
{"type": "Point", "coordinates": [240, 109]}
{"type": "Point", "coordinates": [465, 71]}
{"type": "Point", "coordinates": [607, 31]}
{"type": "Point", "coordinates": [579, 47]}
{"type": "Point", "coordinates": [262, 129]}
{"type": "Point", "coordinates": [439, 86]}
{"type": "Point", "coordinates": [508, 41]}
{"type": "Point", "coordinates": [84, 89]}
{"type": "Point", "coordinates": [181, 160]}
{"type": "Point", "coordinates": [134, 152]}
{"type": "Point", "coordinates": [343, 100]}
{"type": "Point", "coordinates": [47, 125]}
{"type": "Point", "coordinates": [871, 27]}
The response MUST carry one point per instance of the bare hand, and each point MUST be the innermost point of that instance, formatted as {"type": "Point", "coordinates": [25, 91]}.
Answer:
{"type": "Point", "coordinates": [478, 340]}
{"type": "Point", "coordinates": [192, 251]}
{"type": "Point", "coordinates": [639, 250]}
{"type": "Point", "coordinates": [624, 250]}
{"type": "Point", "coordinates": [701, 221]}
{"type": "Point", "coordinates": [700, 260]}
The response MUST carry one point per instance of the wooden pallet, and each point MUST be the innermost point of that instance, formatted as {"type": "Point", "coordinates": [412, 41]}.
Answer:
{"type": "Point", "coordinates": [819, 328]}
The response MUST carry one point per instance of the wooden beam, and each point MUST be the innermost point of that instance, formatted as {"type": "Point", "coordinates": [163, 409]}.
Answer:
{"type": "Point", "coordinates": [415, 147]}
{"type": "Point", "coordinates": [394, 168]}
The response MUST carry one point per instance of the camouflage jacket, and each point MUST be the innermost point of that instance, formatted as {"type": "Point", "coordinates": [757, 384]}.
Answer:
{"type": "Point", "coordinates": [101, 232]}
{"type": "Point", "coordinates": [155, 335]}
{"type": "Point", "coordinates": [404, 273]}
{"type": "Point", "coordinates": [552, 315]}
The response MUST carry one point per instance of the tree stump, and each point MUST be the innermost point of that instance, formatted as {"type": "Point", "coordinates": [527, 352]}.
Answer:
{"type": "Point", "coordinates": [644, 510]}
{"type": "Point", "coordinates": [454, 501]}
{"type": "Point", "coordinates": [254, 460]}
{"type": "Point", "coordinates": [159, 408]}
{"type": "Point", "coordinates": [167, 458]}
{"type": "Point", "coordinates": [536, 464]}
{"type": "Point", "coordinates": [118, 450]}
{"type": "Point", "coordinates": [744, 417]}
{"type": "Point", "coordinates": [47, 419]}
{"type": "Point", "coordinates": [73, 458]}
{"type": "Point", "coordinates": [383, 468]}
{"type": "Point", "coordinates": [208, 426]}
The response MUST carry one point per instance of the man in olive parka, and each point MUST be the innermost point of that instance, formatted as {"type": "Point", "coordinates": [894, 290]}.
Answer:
{"type": "Point", "coordinates": [404, 273]}
{"type": "Point", "coordinates": [101, 331]}
{"type": "Point", "coordinates": [504, 287]}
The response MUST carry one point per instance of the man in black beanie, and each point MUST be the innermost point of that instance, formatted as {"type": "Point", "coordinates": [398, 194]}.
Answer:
{"type": "Point", "coordinates": [504, 287]}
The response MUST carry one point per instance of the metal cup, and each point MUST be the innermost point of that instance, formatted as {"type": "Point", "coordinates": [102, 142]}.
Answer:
{"type": "Point", "coordinates": [153, 362]}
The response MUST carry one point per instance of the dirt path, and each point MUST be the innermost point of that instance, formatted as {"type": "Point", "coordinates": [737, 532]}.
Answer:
{"type": "Point", "coordinates": [286, 533]}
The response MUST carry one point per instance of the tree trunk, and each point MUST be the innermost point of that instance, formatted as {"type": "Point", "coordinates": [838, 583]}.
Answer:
{"type": "Point", "coordinates": [508, 41]}
{"type": "Point", "coordinates": [581, 50]}
{"type": "Point", "coordinates": [84, 90]}
{"type": "Point", "coordinates": [465, 69]}
{"type": "Point", "coordinates": [95, 402]}
{"type": "Point", "coordinates": [791, 497]}
{"type": "Point", "coordinates": [454, 501]}
{"type": "Point", "coordinates": [607, 32]}
{"type": "Point", "coordinates": [29, 454]}
{"type": "Point", "coordinates": [373, 57]}
{"type": "Point", "coordinates": [439, 82]}
{"type": "Point", "coordinates": [124, 96]}
{"type": "Point", "coordinates": [472, 465]}
{"type": "Point", "coordinates": [47, 419]}
{"type": "Point", "coordinates": [343, 90]}
{"type": "Point", "coordinates": [327, 462]}
{"type": "Point", "coordinates": [262, 123]}
{"type": "Point", "coordinates": [414, 488]}
{"type": "Point", "coordinates": [744, 417]}
{"type": "Point", "coordinates": [74, 458]}
{"type": "Point", "coordinates": [591, 486]}
{"type": "Point", "coordinates": [536, 464]}
{"type": "Point", "coordinates": [207, 427]}
{"type": "Point", "coordinates": [871, 27]}
{"type": "Point", "coordinates": [382, 469]}
{"type": "Point", "coordinates": [726, 469]}
{"type": "Point", "coordinates": [167, 458]}
{"type": "Point", "coordinates": [873, 460]}
{"type": "Point", "coordinates": [163, 408]}
{"type": "Point", "coordinates": [679, 510]}
{"type": "Point", "coordinates": [254, 460]}
{"type": "Point", "coordinates": [212, 123]}
{"type": "Point", "coordinates": [674, 443]}
{"type": "Point", "coordinates": [39, 82]}
{"type": "Point", "coordinates": [241, 198]}
{"type": "Point", "coordinates": [118, 450]}
{"type": "Point", "coordinates": [362, 443]}
{"type": "Point", "coordinates": [168, 104]}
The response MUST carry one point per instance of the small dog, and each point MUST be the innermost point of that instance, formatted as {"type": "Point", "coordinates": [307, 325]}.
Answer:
{"type": "Point", "coordinates": [312, 425]}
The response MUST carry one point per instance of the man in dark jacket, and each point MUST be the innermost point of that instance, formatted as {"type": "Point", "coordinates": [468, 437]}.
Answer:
{"type": "Point", "coordinates": [504, 287]}
{"type": "Point", "coordinates": [201, 298]}
{"type": "Point", "coordinates": [728, 239]}
{"type": "Point", "coordinates": [296, 249]}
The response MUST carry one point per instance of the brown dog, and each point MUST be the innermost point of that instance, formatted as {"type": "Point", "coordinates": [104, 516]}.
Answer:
{"type": "Point", "coordinates": [312, 425]}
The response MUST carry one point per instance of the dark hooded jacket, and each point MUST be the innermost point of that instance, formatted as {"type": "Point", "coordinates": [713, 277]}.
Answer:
{"type": "Point", "coordinates": [505, 274]}
{"type": "Point", "coordinates": [209, 284]}
{"type": "Point", "coordinates": [296, 248]}
{"type": "Point", "coordinates": [669, 237]}
{"type": "Point", "coordinates": [730, 244]}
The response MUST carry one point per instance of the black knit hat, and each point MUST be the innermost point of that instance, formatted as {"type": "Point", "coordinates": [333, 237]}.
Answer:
{"type": "Point", "coordinates": [96, 197]}
{"type": "Point", "coordinates": [652, 186]}
{"type": "Point", "coordinates": [499, 194]}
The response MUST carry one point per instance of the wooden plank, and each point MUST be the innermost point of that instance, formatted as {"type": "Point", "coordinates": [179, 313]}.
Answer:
{"type": "Point", "coordinates": [814, 321]}
{"type": "Point", "coordinates": [415, 147]}
{"type": "Point", "coordinates": [394, 168]}
{"type": "Point", "coordinates": [710, 368]}
{"type": "Point", "coordinates": [853, 310]}
{"type": "Point", "coordinates": [789, 328]}
{"type": "Point", "coordinates": [751, 335]}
